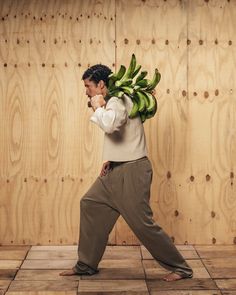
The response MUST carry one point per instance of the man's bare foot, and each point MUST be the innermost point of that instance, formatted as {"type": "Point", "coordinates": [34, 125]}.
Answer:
{"type": "Point", "coordinates": [70, 272]}
{"type": "Point", "coordinates": [172, 277]}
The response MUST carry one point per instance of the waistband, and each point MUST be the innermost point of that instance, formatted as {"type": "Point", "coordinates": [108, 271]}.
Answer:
{"type": "Point", "coordinates": [116, 163]}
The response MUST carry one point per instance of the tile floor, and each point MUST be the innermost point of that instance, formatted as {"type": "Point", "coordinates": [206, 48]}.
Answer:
{"type": "Point", "coordinates": [34, 270]}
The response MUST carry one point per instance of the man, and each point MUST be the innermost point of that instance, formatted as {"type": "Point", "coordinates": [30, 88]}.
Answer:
{"type": "Point", "coordinates": [123, 186]}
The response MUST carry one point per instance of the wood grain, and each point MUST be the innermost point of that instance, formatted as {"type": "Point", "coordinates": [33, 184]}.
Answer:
{"type": "Point", "coordinates": [49, 152]}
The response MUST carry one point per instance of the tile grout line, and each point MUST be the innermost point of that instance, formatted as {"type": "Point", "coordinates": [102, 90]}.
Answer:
{"type": "Point", "coordinates": [17, 270]}
{"type": "Point", "coordinates": [206, 269]}
{"type": "Point", "coordinates": [145, 275]}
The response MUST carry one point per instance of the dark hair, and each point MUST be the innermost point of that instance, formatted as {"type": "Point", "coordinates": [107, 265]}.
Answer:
{"type": "Point", "coordinates": [97, 73]}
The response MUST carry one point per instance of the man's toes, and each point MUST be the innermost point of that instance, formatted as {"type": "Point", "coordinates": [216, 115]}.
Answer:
{"type": "Point", "coordinates": [63, 273]}
{"type": "Point", "coordinates": [67, 273]}
{"type": "Point", "coordinates": [172, 277]}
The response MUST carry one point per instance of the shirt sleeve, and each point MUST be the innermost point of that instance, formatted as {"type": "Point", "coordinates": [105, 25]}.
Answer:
{"type": "Point", "coordinates": [112, 117]}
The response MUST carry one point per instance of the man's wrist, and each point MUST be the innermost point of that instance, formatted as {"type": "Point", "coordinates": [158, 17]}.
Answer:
{"type": "Point", "coordinates": [97, 107]}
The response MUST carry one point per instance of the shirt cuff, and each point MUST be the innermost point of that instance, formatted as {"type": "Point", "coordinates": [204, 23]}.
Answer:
{"type": "Point", "coordinates": [97, 113]}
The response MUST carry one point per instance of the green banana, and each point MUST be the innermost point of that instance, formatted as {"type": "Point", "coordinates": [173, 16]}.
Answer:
{"type": "Point", "coordinates": [111, 85]}
{"type": "Point", "coordinates": [137, 87]}
{"type": "Point", "coordinates": [118, 75]}
{"type": "Point", "coordinates": [134, 111]}
{"type": "Point", "coordinates": [150, 105]}
{"type": "Point", "coordinates": [155, 80]}
{"type": "Point", "coordinates": [141, 101]}
{"type": "Point", "coordinates": [146, 99]}
{"type": "Point", "coordinates": [126, 82]}
{"type": "Point", "coordinates": [113, 77]}
{"type": "Point", "coordinates": [138, 67]}
{"type": "Point", "coordinates": [143, 117]}
{"type": "Point", "coordinates": [151, 113]}
{"type": "Point", "coordinates": [131, 68]}
{"type": "Point", "coordinates": [117, 93]}
{"type": "Point", "coordinates": [141, 76]}
{"type": "Point", "coordinates": [128, 90]}
{"type": "Point", "coordinates": [142, 83]}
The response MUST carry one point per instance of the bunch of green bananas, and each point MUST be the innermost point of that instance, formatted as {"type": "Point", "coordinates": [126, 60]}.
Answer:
{"type": "Point", "coordinates": [140, 90]}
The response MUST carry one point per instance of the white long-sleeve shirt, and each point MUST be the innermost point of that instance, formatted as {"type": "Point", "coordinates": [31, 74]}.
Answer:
{"type": "Point", "coordinates": [124, 138]}
{"type": "Point", "coordinates": [112, 117]}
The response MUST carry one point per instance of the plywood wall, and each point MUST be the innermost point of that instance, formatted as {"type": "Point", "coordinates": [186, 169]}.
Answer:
{"type": "Point", "coordinates": [50, 153]}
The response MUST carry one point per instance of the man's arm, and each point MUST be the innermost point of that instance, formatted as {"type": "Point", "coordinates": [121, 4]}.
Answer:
{"type": "Point", "coordinates": [112, 117]}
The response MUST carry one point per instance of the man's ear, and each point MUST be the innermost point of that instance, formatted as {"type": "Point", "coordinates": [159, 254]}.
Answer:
{"type": "Point", "coordinates": [101, 83]}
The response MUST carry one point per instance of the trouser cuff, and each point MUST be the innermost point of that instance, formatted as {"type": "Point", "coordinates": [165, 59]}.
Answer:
{"type": "Point", "coordinates": [81, 266]}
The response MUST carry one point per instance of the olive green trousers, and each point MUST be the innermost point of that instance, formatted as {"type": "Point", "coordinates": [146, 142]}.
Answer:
{"type": "Point", "coordinates": [125, 191]}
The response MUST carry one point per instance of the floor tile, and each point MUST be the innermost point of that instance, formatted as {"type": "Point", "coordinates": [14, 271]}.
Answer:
{"type": "Point", "coordinates": [185, 252]}
{"type": "Point", "coordinates": [216, 251]}
{"type": "Point", "coordinates": [186, 284]}
{"type": "Point", "coordinates": [14, 248]}
{"type": "Point", "coordinates": [226, 284]}
{"type": "Point", "coordinates": [112, 285]}
{"type": "Point", "coordinates": [7, 274]}
{"type": "Point", "coordinates": [117, 273]}
{"type": "Point", "coordinates": [120, 263]}
{"type": "Point", "coordinates": [43, 275]}
{"type": "Point", "coordinates": [221, 267]}
{"type": "Point", "coordinates": [53, 248]}
{"type": "Point", "coordinates": [4, 285]}
{"type": "Point", "coordinates": [122, 252]}
{"type": "Point", "coordinates": [187, 292]}
{"type": "Point", "coordinates": [13, 254]}
{"type": "Point", "coordinates": [65, 285]}
{"type": "Point", "coordinates": [42, 293]}
{"type": "Point", "coordinates": [10, 264]}
{"type": "Point", "coordinates": [48, 264]}
{"type": "Point", "coordinates": [53, 255]}
{"type": "Point", "coordinates": [154, 270]}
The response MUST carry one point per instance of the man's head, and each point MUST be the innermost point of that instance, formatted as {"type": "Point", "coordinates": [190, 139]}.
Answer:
{"type": "Point", "coordinates": [96, 80]}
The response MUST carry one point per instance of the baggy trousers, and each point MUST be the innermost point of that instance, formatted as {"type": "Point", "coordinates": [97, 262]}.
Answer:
{"type": "Point", "coordinates": [125, 191]}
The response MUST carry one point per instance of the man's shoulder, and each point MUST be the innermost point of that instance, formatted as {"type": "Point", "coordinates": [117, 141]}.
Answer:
{"type": "Point", "coordinates": [125, 102]}
{"type": "Point", "coordinates": [115, 100]}
{"type": "Point", "coordinates": [123, 99]}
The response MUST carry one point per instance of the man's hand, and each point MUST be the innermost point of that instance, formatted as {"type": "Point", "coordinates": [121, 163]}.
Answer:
{"type": "Point", "coordinates": [97, 101]}
{"type": "Point", "coordinates": [105, 168]}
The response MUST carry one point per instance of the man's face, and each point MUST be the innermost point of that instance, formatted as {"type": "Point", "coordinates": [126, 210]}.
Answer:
{"type": "Point", "coordinates": [92, 89]}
